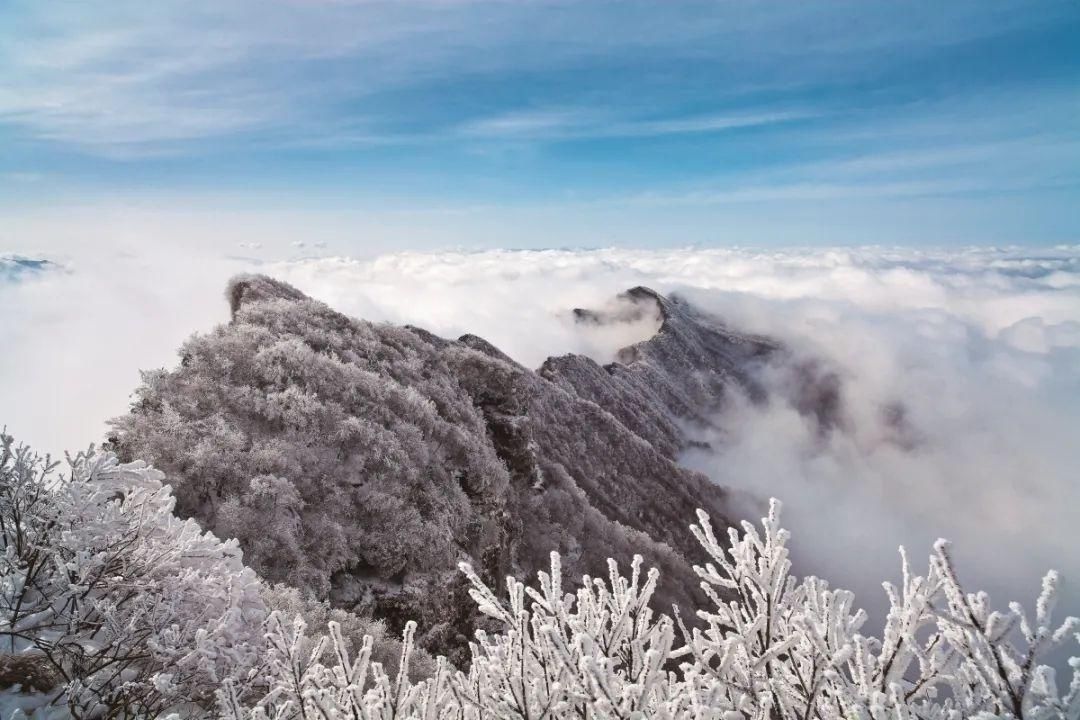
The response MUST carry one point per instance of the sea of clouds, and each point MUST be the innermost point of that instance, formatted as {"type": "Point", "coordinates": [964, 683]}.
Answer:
{"type": "Point", "coordinates": [977, 352]}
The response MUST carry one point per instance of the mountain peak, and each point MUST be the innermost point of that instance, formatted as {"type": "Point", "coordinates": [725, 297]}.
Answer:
{"type": "Point", "coordinates": [249, 288]}
{"type": "Point", "coordinates": [640, 293]}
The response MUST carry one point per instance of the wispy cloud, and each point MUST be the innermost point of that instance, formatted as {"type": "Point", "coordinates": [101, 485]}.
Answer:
{"type": "Point", "coordinates": [585, 124]}
{"type": "Point", "coordinates": [530, 123]}
{"type": "Point", "coordinates": [974, 170]}
{"type": "Point", "coordinates": [135, 75]}
{"type": "Point", "coordinates": [706, 123]}
{"type": "Point", "coordinates": [134, 78]}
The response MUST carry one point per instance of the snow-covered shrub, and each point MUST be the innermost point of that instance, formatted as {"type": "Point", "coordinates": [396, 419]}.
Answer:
{"type": "Point", "coordinates": [126, 608]}
{"type": "Point", "coordinates": [112, 607]}
{"type": "Point", "coordinates": [781, 649]}
{"type": "Point", "coordinates": [289, 602]}
{"type": "Point", "coordinates": [793, 649]}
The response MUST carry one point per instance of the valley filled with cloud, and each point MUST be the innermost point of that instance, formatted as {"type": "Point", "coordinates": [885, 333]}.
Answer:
{"type": "Point", "coordinates": [957, 374]}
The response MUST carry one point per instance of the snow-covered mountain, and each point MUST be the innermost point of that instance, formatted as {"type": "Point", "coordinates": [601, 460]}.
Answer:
{"type": "Point", "coordinates": [362, 461]}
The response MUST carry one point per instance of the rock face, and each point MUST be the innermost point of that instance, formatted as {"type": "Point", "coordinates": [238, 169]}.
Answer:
{"type": "Point", "coordinates": [361, 461]}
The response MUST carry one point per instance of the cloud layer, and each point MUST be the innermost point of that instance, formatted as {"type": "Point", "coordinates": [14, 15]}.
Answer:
{"type": "Point", "coordinates": [960, 374]}
{"type": "Point", "coordinates": [960, 377]}
{"type": "Point", "coordinates": [78, 329]}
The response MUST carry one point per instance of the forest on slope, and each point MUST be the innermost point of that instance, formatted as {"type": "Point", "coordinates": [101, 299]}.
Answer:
{"type": "Point", "coordinates": [360, 461]}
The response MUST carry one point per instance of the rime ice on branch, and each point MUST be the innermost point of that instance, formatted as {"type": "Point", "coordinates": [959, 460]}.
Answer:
{"type": "Point", "coordinates": [121, 608]}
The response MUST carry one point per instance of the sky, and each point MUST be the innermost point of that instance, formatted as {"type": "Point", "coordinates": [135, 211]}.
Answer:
{"type": "Point", "coordinates": [373, 126]}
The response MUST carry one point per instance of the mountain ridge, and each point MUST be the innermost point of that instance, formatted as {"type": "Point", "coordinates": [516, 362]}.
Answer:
{"type": "Point", "coordinates": [360, 461]}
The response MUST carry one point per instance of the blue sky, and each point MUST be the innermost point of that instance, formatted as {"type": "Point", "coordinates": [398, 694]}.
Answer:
{"type": "Point", "coordinates": [547, 123]}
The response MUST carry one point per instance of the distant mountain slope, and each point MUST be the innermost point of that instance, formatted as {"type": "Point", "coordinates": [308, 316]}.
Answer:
{"type": "Point", "coordinates": [362, 460]}
{"type": "Point", "coordinates": [17, 267]}
{"type": "Point", "coordinates": [681, 374]}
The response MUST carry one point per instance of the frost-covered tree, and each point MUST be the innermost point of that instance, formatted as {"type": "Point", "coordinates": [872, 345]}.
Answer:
{"type": "Point", "coordinates": [290, 603]}
{"type": "Point", "coordinates": [120, 607]}
{"type": "Point", "coordinates": [794, 649]}
{"type": "Point", "coordinates": [781, 648]}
